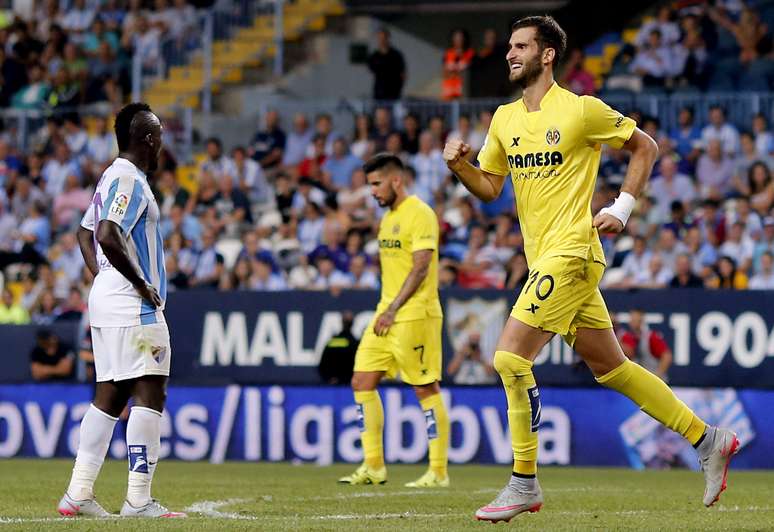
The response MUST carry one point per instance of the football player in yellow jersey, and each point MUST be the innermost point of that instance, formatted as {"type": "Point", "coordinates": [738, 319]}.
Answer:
{"type": "Point", "coordinates": [405, 334]}
{"type": "Point", "coordinates": [549, 142]}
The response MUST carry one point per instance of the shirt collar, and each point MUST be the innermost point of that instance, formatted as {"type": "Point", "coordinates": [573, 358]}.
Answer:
{"type": "Point", "coordinates": [127, 162]}
{"type": "Point", "coordinates": [546, 98]}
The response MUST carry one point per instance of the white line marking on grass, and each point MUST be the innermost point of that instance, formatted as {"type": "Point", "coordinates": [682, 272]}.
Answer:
{"type": "Point", "coordinates": [210, 509]}
{"type": "Point", "coordinates": [22, 520]}
{"type": "Point", "coordinates": [349, 517]}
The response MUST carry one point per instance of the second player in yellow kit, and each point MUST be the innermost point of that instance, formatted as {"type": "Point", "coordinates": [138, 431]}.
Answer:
{"type": "Point", "coordinates": [405, 335]}
{"type": "Point", "coordinates": [413, 344]}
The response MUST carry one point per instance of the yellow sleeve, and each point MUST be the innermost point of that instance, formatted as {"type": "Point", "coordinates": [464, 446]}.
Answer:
{"type": "Point", "coordinates": [424, 230]}
{"type": "Point", "coordinates": [492, 157]}
{"type": "Point", "coordinates": [605, 125]}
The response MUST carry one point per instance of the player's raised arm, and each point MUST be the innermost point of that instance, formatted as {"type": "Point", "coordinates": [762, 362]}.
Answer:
{"type": "Point", "coordinates": [113, 245]}
{"type": "Point", "coordinates": [644, 152]}
{"type": "Point", "coordinates": [484, 185]}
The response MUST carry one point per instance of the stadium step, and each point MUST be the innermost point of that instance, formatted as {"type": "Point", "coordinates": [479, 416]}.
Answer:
{"type": "Point", "coordinates": [248, 48]}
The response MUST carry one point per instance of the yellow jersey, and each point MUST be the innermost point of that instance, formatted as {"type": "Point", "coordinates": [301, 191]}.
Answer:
{"type": "Point", "coordinates": [413, 226]}
{"type": "Point", "coordinates": [553, 156]}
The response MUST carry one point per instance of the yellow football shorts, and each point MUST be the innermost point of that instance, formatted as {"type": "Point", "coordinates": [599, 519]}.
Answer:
{"type": "Point", "coordinates": [562, 295]}
{"type": "Point", "coordinates": [411, 347]}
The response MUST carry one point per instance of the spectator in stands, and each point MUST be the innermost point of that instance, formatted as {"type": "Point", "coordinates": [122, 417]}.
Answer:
{"type": "Point", "coordinates": [747, 156]}
{"type": "Point", "coordinates": [664, 23]}
{"type": "Point", "coordinates": [35, 93]}
{"type": "Point", "coordinates": [169, 194]}
{"type": "Point", "coordinates": [719, 129]}
{"type": "Point", "coordinates": [72, 308]}
{"type": "Point", "coordinates": [209, 264]}
{"type": "Point", "coordinates": [456, 61]}
{"type": "Point", "coordinates": [57, 169]}
{"type": "Point", "coordinates": [760, 187]}
{"type": "Point", "coordinates": [8, 226]}
{"type": "Point", "coordinates": [488, 73]}
{"type": "Point", "coordinates": [216, 162]}
{"type": "Point", "coordinates": [311, 167]}
{"type": "Point", "coordinates": [362, 137]}
{"type": "Point", "coordinates": [331, 247]}
{"type": "Point", "coordinates": [653, 61]}
{"type": "Point", "coordinates": [11, 312]}
{"type": "Point", "coordinates": [310, 228]}
{"type": "Point", "coordinates": [323, 127]}
{"type": "Point", "coordinates": [393, 146]}
{"type": "Point", "coordinates": [14, 77]}
{"type": "Point", "coordinates": [77, 20]}
{"type": "Point", "coordinates": [338, 356]}
{"type": "Point", "coordinates": [478, 136]}
{"type": "Point", "coordinates": [101, 146]}
{"type": "Point", "coordinates": [337, 169]}
{"type": "Point", "coordinates": [232, 207]}
{"type": "Point", "coordinates": [726, 276]}
{"type": "Point", "coordinates": [382, 128]}
{"type": "Point", "coordinates": [656, 275]}
{"type": "Point", "coordinates": [388, 67]}
{"type": "Point", "coordinates": [669, 247]}
{"type": "Point", "coordinates": [329, 278]}
{"type": "Point", "coordinates": [144, 41]}
{"type": "Point", "coordinates": [575, 77]}
{"type": "Point", "coordinates": [463, 132]}
{"type": "Point", "coordinates": [70, 204]}
{"type": "Point", "coordinates": [468, 365]}
{"type": "Point", "coordinates": [765, 242]}
{"type": "Point", "coordinates": [361, 277]}
{"type": "Point", "coordinates": [636, 261]}
{"type": "Point", "coordinates": [671, 186]}
{"type": "Point", "coordinates": [69, 261]}
{"type": "Point", "coordinates": [684, 276]}
{"type": "Point", "coordinates": [50, 360]}
{"type": "Point", "coordinates": [437, 127]}
{"type": "Point", "coordinates": [268, 144]}
{"type": "Point", "coordinates": [764, 279]}
{"type": "Point", "coordinates": [764, 140]}
{"type": "Point", "coordinates": [686, 137]}
{"type": "Point", "coordinates": [714, 172]}
{"type": "Point", "coordinates": [751, 34]}
{"type": "Point", "coordinates": [251, 179]}
{"type": "Point", "coordinates": [738, 247]}
{"type": "Point", "coordinates": [297, 141]}
{"type": "Point", "coordinates": [645, 346]}
{"type": "Point", "coordinates": [479, 267]}
{"type": "Point", "coordinates": [429, 165]}
{"type": "Point", "coordinates": [409, 137]}
{"type": "Point", "coordinates": [263, 278]}
{"type": "Point", "coordinates": [45, 310]}
{"type": "Point", "coordinates": [751, 220]}
{"type": "Point", "coordinates": [690, 55]}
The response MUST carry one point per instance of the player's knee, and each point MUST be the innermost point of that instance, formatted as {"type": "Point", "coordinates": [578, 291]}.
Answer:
{"type": "Point", "coordinates": [362, 382]}
{"type": "Point", "coordinates": [500, 362]}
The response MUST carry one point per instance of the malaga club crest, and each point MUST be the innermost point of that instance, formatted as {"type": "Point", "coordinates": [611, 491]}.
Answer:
{"type": "Point", "coordinates": [552, 136]}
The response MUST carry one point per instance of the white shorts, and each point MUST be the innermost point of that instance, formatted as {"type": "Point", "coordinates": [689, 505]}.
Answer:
{"type": "Point", "coordinates": [122, 353]}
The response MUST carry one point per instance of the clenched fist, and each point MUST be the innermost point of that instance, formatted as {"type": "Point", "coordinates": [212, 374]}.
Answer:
{"type": "Point", "coordinates": [455, 153]}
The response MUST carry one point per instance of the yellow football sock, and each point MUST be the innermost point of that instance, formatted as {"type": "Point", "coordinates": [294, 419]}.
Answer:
{"type": "Point", "coordinates": [654, 398]}
{"type": "Point", "coordinates": [371, 427]}
{"type": "Point", "coordinates": [523, 409]}
{"type": "Point", "coordinates": [437, 432]}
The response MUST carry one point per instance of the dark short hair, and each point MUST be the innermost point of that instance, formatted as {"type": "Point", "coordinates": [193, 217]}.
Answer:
{"type": "Point", "coordinates": [124, 122]}
{"type": "Point", "coordinates": [548, 33]}
{"type": "Point", "coordinates": [383, 161]}
{"type": "Point", "coordinates": [214, 140]}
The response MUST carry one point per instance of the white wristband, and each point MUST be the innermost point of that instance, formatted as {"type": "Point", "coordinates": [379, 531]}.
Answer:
{"type": "Point", "coordinates": [621, 208]}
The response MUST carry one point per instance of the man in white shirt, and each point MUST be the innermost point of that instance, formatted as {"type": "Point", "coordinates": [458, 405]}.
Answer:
{"type": "Point", "coordinates": [56, 170]}
{"type": "Point", "coordinates": [653, 61]}
{"type": "Point", "coordinates": [671, 186]}
{"type": "Point", "coordinates": [738, 247]}
{"type": "Point", "coordinates": [428, 163]}
{"type": "Point", "coordinates": [719, 129]}
{"type": "Point", "coordinates": [764, 280]}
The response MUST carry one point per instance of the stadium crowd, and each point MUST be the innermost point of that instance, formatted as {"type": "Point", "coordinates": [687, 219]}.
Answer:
{"type": "Point", "coordinates": [292, 210]}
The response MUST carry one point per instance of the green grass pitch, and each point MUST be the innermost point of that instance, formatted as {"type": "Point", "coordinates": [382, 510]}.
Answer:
{"type": "Point", "coordinates": [248, 496]}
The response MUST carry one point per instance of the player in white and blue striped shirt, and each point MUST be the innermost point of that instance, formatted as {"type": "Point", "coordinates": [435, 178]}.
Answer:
{"type": "Point", "coordinates": [122, 246]}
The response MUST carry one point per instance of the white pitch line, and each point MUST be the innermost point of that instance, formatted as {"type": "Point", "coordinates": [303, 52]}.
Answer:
{"type": "Point", "coordinates": [210, 509]}
{"type": "Point", "coordinates": [348, 517]}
